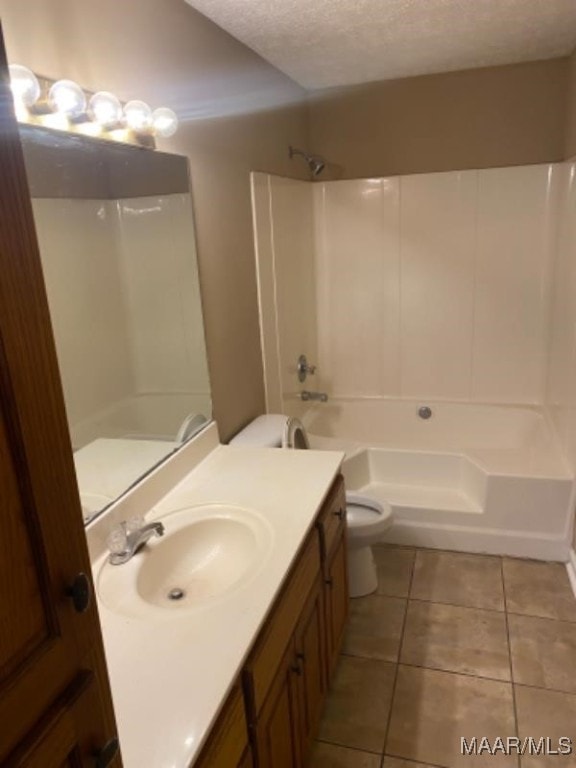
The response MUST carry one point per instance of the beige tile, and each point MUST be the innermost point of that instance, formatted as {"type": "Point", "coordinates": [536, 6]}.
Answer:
{"type": "Point", "coordinates": [358, 704]}
{"type": "Point", "coordinates": [468, 640]}
{"type": "Point", "coordinates": [332, 756]}
{"type": "Point", "coordinates": [543, 652]}
{"type": "Point", "coordinates": [432, 711]}
{"type": "Point", "coordinates": [375, 627]}
{"type": "Point", "coordinates": [447, 577]}
{"type": "Point", "coordinates": [394, 566]}
{"type": "Point", "coordinates": [394, 762]}
{"type": "Point", "coordinates": [546, 714]}
{"type": "Point", "coordinates": [538, 589]}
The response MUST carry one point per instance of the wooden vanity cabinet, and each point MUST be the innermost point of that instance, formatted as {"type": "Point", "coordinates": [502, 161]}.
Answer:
{"type": "Point", "coordinates": [287, 673]}
{"type": "Point", "coordinates": [227, 745]}
{"type": "Point", "coordinates": [285, 678]}
{"type": "Point", "coordinates": [332, 526]}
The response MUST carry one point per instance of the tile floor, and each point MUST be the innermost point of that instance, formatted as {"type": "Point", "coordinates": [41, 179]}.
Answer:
{"type": "Point", "coordinates": [453, 645]}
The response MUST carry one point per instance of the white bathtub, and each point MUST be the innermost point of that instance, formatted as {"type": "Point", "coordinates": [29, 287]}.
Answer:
{"type": "Point", "coordinates": [478, 478]}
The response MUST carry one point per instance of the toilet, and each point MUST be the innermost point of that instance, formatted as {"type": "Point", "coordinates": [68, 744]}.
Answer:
{"type": "Point", "coordinates": [366, 518]}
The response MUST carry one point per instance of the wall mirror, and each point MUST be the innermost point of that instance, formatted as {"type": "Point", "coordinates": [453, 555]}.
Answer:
{"type": "Point", "coordinates": [116, 234]}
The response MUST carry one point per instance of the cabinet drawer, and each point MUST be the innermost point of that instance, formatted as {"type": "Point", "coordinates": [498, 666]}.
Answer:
{"type": "Point", "coordinates": [263, 661]}
{"type": "Point", "coordinates": [333, 519]}
{"type": "Point", "coordinates": [228, 740]}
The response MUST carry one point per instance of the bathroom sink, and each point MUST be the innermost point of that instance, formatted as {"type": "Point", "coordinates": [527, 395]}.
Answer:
{"type": "Point", "coordinates": [206, 554]}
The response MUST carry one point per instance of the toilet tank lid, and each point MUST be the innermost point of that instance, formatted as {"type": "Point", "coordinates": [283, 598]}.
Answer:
{"type": "Point", "coordinates": [265, 431]}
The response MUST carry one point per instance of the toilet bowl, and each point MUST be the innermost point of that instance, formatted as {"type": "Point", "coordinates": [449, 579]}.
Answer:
{"type": "Point", "coordinates": [366, 519]}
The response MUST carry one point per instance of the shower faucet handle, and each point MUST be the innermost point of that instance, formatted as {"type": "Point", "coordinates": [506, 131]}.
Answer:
{"type": "Point", "coordinates": [304, 368]}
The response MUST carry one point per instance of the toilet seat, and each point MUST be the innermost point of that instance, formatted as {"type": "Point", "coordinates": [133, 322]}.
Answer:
{"type": "Point", "coordinates": [295, 435]}
{"type": "Point", "coordinates": [367, 519]}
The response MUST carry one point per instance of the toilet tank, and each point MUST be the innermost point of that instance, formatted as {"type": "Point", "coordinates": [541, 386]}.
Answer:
{"type": "Point", "coordinates": [272, 430]}
{"type": "Point", "coordinates": [265, 432]}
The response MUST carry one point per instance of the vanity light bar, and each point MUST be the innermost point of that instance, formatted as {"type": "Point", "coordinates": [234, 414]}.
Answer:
{"type": "Point", "coordinates": [63, 104]}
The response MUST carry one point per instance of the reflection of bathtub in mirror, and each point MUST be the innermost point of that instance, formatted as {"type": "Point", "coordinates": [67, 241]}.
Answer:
{"type": "Point", "coordinates": [117, 242]}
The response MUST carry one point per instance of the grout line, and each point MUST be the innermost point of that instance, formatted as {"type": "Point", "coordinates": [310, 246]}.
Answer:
{"type": "Point", "coordinates": [544, 618]}
{"type": "Point", "coordinates": [496, 611]}
{"type": "Point", "coordinates": [519, 684]}
{"type": "Point", "coordinates": [397, 665]}
{"type": "Point", "coordinates": [346, 746]}
{"type": "Point", "coordinates": [415, 762]}
{"type": "Point", "coordinates": [514, 707]}
{"type": "Point", "coordinates": [459, 674]}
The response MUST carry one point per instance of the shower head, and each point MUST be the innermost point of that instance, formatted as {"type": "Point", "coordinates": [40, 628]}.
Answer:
{"type": "Point", "coordinates": [315, 162]}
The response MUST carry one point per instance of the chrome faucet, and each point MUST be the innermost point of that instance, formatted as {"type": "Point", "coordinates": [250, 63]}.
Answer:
{"type": "Point", "coordinates": [134, 541]}
{"type": "Point", "coordinates": [306, 395]}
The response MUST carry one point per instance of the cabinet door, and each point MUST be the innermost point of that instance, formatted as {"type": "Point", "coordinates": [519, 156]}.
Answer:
{"type": "Point", "coordinates": [310, 645]}
{"type": "Point", "coordinates": [227, 744]}
{"type": "Point", "coordinates": [278, 729]}
{"type": "Point", "coordinates": [336, 580]}
{"type": "Point", "coordinates": [49, 652]}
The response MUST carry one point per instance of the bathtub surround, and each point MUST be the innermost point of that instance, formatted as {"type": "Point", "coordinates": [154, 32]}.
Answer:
{"type": "Point", "coordinates": [441, 289]}
{"type": "Point", "coordinates": [560, 396]}
{"type": "Point", "coordinates": [426, 286]}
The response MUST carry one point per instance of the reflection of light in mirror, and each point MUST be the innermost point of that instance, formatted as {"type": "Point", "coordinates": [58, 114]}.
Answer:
{"type": "Point", "coordinates": [105, 109]}
{"type": "Point", "coordinates": [24, 85]}
{"type": "Point", "coordinates": [165, 122]}
{"type": "Point", "coordinates": [89, 129]}
{"type": "Point", "coordinates": [66, 97]}
{"type": "Point", "coordinates": [141, 211]}
{"type": "Point", "coordinates": [57, 120]}
{"type": "Point", "coordinates": [138, 116]}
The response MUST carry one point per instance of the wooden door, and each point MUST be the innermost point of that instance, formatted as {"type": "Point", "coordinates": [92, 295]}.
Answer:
{"type": "Point", "coordinates": [55, 703]}
{"type": "Point", "coordinates": [278, 729]}
{"type": "Point", "coordinates": [310, 644]}
{"type": "Point", "coordinates": [336, 601]}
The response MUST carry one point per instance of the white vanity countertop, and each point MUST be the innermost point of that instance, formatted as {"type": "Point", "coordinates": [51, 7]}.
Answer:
{"type": "Point", "coordinates": [170, 677]}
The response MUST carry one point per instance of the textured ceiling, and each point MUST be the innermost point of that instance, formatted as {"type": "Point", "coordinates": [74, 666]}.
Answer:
{"type": "Point", "coordinates": [322, 43]}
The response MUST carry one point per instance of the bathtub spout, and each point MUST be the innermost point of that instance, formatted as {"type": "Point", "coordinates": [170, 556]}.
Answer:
{"type": "Point", "coordinates": [321, 396]}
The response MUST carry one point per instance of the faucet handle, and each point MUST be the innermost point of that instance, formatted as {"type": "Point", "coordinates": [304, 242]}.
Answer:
{"type": "Point", "coordinates": [134, 523]}
{"type": "Point", "coordinates": [117, 539]}
{"type": "Point", "coordinates": [303, 368]}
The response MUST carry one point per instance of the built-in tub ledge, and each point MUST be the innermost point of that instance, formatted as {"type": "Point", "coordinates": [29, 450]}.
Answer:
{"type": "Point", "coordinates": [454, 501]}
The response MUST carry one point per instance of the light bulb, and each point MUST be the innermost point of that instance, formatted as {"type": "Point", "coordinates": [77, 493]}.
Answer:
{"type": "Point", "coordinates": [138, 116]}
{"type": "Point", "coordinates": [24, 84]}
{"type": "Point", "coordinates": [105, 109]}
{"type": "Point", "coordinates": [165, 122]}
{"type": "Point", "coordinates": [67, 98]}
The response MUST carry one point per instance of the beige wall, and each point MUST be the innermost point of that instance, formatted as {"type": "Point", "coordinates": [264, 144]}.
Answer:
{"type": "Point", "coordinates": [570, 136]}
{"type": "Point", "coordinates": [239, 114]}
{"type": "Point", "coordinates": [498, 116]}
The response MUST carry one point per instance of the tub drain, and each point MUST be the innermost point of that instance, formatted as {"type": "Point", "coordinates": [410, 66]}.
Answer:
{"type": "Point", "coordinates": [176, 594]}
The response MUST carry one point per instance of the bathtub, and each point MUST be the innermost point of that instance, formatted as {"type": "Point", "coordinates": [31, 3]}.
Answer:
{"type": "Point", "coordinates": [477, 478]}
